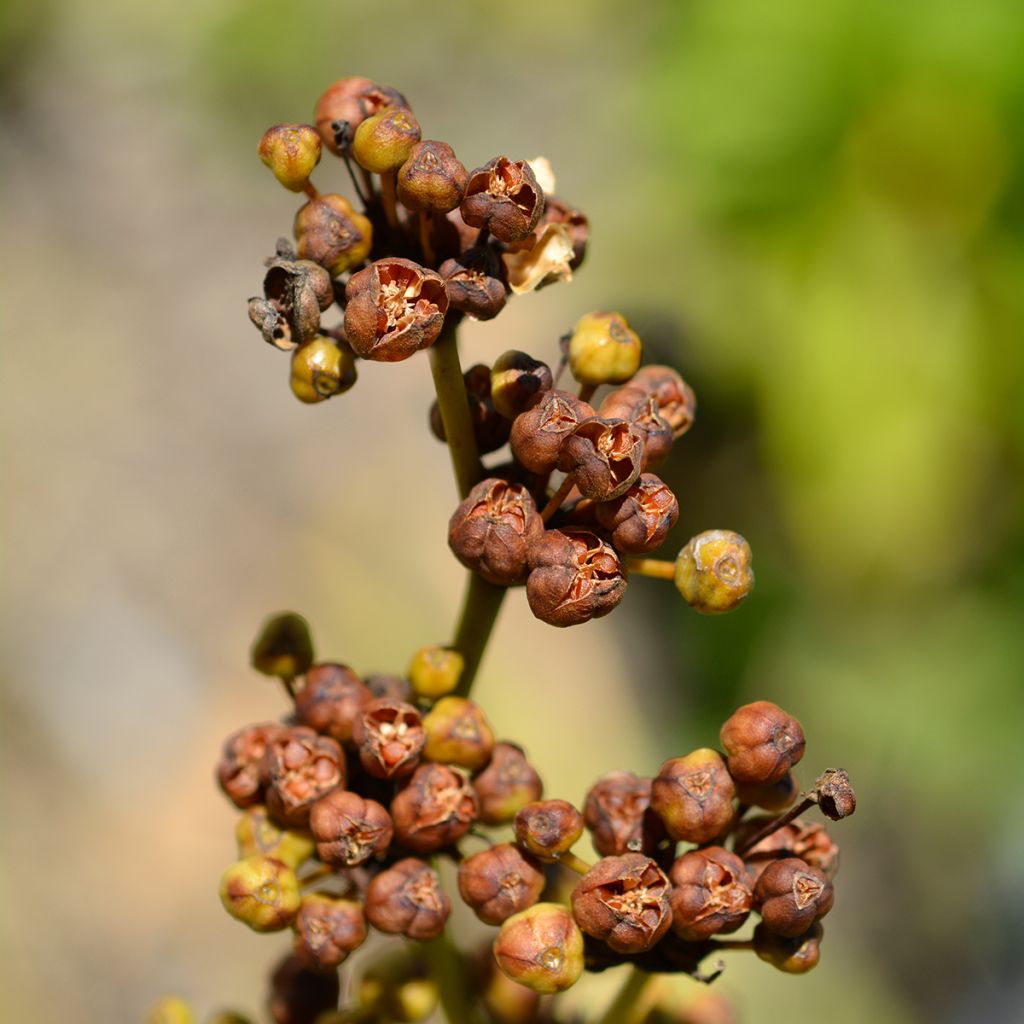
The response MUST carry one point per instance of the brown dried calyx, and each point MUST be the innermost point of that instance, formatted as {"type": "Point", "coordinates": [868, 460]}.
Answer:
{"type": "Point", "coordinates": [640, 410]}
{"type": "Point", "coordinates": [394, 308]}
{"type": "Point", "coordinates": [710, 893]}
{"type": "Point", "coordinates": [604, 457]}
{"type": "Point", "coordinates": [538, 433]}
{"type": "Point", "coordinates": [330, 699]}
{"type": "Point", "coordinates": [434, 810]}
{"type": "Point", "coordinates": [295, 293]}
{"type": "Point", "coordinates": [792, 895]}
{"type": "Point", "coordinates": [617, 813]}
{"type": "Point", "coordinates": [639, 519]}
{"type": "Point", "coordinates": [492, 530]}
{"type": "Point", "coordinates": [407, 899]}
{"type": "Point", "coordinates": [503, 197]}
{"type": "Point", "coordinates": [677, 404]}
{"type": "Point", "coordinates": [390, 737]}
{"type": "Point", "coordinates": [241, 771]}
{"type": "Point", "coordinates": [476, 282]}
{"type": "Point", "coordinates": [574, 576]}
{"type": "Point", "coordinates": [348, 828]}
{"type": "Point", "coordinates": [301, 767]}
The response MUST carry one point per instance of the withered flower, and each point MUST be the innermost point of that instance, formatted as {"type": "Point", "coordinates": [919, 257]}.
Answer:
{"type": "Point", "coordinates": [349, 829]}
{"type": "Point", "coordinates": [490, 428]}
{"type": "Point", "coordinates": [434, 810]}
{"type": "Point", "coordinates": [476, 282]}
{"type": "Point", "coordinates": [394, 308]}
{"type": "Point", "coordinates": [346, 104]}
{"type": "Point", "coordinates": [408, 900]}
{"type": "Point", "coordinates": [574, 576]}
{"type": "Point", "coordinates": [836, 797]}
{"type": "Point", "coordinates": [330, 699]}
{"type": "Point", "coordinates": [240, 769]}
{"type": "Point", "coordinates": [617, 813]}
{"type": "Point", "coordinates": [604, 457]}
{"type": "Point", "coordinates": [624, 901]}
{"type": "Point", "coordinates": [548, 828]}
{"type": "Point", "coordinates": [432, 178]}
{"type": "Point", "coordinates": [693, 796]}
{"type": "Point", "coordinates": [493, 529]}
{"type": "Point", "coordinates": [295, 293]}
{"type": "Point", "coordinates": [544, 257]}
{"type": "Point", "coordinates": [516, 379]}
{"type": "Point", "coordinates": [677, 404]}
{"type": "Point", "coordinates": [503, 197]}
{"type": "Point", "coordinates": [710, 893]}
{"type": "Point", "coordinates": [390, 737]}
{"type": "Point", "coordinates": [301, 767]}
{"type": "Point", "coordinates": [500, 882]}
{"type": "Point", "coordinates": [791, 896]}
{"type": "Point", "coordinates": [762, 742]}
{"type": "Point", "coordinates": [327, 930]}
{"type": "Point", "coordinates": [640, 410]}
{"type": "Point", "coordinates": [639, 519]}
{"type": "Point", "coordinates": [330, 232]}
{"type": "Point", "coordinates": [538, 433]}
{"type": "Point", "coordinates": [507, 784]}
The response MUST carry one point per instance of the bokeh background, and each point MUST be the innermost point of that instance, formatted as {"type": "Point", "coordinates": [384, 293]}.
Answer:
{"type": "Point", "coordinates": [813, 207]}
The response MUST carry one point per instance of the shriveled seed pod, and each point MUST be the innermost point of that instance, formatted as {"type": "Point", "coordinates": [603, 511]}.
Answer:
{"type": "Point", "coordinates": [503, 197]}
{"type": "Point", "coordinates": [538, 433]}
{"type": "Point", "coordinates": [499, 882]}
{"type": "Point", "coordinates": [617, 813]}
{"type": "Point", "coordinates": [331, 698]}
{"type": "Point", "coordinates": [791, 896]}
{"type": "Point", "coordinates": [295, 293]}
{"type": "Point", "coordinates": [506, 785]}
{"type": "Point", "coordinates": [407, 899]}
{"type": "Point", "coordinates": [301, 768]}
{"type": "Point", "coordinates": [327, 929]}
{"type": "Point", "coordinates": [349, 829]}
{"type": "Point", "coordinates": [677, 404]}
{"type": "Point", "coordinates": [808, 840]}
{"type": "Point", "coordinates": [548, 828]}
{"type": "Point", "coordinates": [710, 893]}
{"type": "Point", "coordinates": [639, 519]}
{"type": "Point", "coordinates": [432, 178]}
{"type": "Point", "coordinates": [693, 796]}
{"type": "Point", "coordinates": [435, 809]}
{"type": "Point", "coordinates": [604, 457]}
{"type": "Point", "coordinates": [390, 738]}
{"type": "Point", "coordinates": [240, 769]}
{"type": "Point", "coordinates": [330, 232]}
{"type": "Point", "coordinates": [762, 742]}
{"type": "Point", "coordinates": [477, 282]}
{"type": "Point", "coordinates": [346, 104]}
{"type": "Point", "coordinates": [797, 955]}
{"type": "Point", "coordinates": [640, 410]}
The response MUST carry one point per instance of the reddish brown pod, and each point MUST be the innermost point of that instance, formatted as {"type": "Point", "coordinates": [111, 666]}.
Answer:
{"type": "Point", "coordinates": [432, 178]}
{"type": "Point", "coordinates": [538, 433]}
{"type": "Point", "coordinates": [330, 699]}
{"type": "Point", "coordinates": [808, 840]}
{"type": "Point", "coordinates": [677, 404]}
{"type": "Point", "coordinates": [500, 882]}
{"type": "Point", "coordinates": [640, 410]}
{"type": "Point", "coordinates": [331, 233]}
{"type": "Point", "coordinates": [710, 893]}
{"type": "Point", "coordinates": [693, 796]}
{"type": "Point", "coordinates": [327, 930]}
{"type": "Point", "coordinates": [624, 901]}
{"type": "Point", "coordinates": [394, 308]}
{"type": "Point", "coordinates": [344, 106]}
{"type": "Point", "coordinates": [791, 896]}
{"type": "Point", "coordinates": [617, 813]}
{"type": "Point", "coordinates": [762, 742]}
{"type": "Point", "coordinates": [639, 520]}
{"type": "Point", "coordinates": [604, 457]}
{"type": "Point", "coordinates": [574, 576]}
{"type": "Point", "coordinates": [240, 769]}
{"type": "Point", "coordinates": [390, 737]}
{"type": "Point", "coordinates": [408, 900]}
{"type": "Point", "coordinates": [506, 785]}
{"type": "Point", "coordinates": [477, 282]}
{"type": "Point", "coordinates": [548, 828]}
{"type": "Point", "coordinates": [295, 293]}
{"type": "Point", "coordinates": [349, 829]}
{"type": "Point", "coordinates": [792, 956]}
{"type": "Point", "coordinates": [301, 768]}
{"type": "Point", "coordinates": [434, 810]}
{"type": "Point", "coordinates": [492, 530]}
{"type": "Point", "coordinates": [503, 197]}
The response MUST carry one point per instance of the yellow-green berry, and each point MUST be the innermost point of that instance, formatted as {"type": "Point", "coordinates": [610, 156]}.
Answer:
{"type": "Point", "coordinates": [604, 349]}
{"type": "Point", "coordinates": [261, 892]}
{"type": "Point", "coordinates": [383, 142]}
{"type": "Point", "coordinates": [291, 151]}
{"type": "Point", "coordinates": [435, 671]}
{"type": "Point", "coordinates": [320, 369]}
{"type": "Point", "coordinates": [458, 733]}
{"type": "Point", "coordinates": [257, 835]}
{"type": "Point", "coordinates": [713, 572]}
{"type": "Point", "coordinates": [542, 948]}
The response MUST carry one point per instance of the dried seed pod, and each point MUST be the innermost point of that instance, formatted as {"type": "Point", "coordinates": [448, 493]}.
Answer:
{"type": "Point", "coordinates": [677, 404]}
{"type": "Point", "coordinates": [346, 104]}
{"type": "Point", "coordinates": [395, 308]}
{"type": "Point", "coordinates": [548, 828]}
{"type": "Point", "coordinates": [506, 785]}
{"type": "Point", "coordinates": [320, 369]}
{"type": "Point", "coordinates": [383, 685]}
{"type": "Point", "coordinates": [383, 141]}
{"type": "Point", "coordinates": [283, 646]}
{"type": "Point", "coordinates": [295, 293]}
{"type": "Point", "coordinates": [574, 222]}
{"type": "Point", "coordinates": [775, 796]}
{"type": "Point", "coordinates": [639, 519]}
{"type": "Point", "coordinates": [331, 698]}
{"type": "Point", "coordinates": [434, 810]}
{"type": "Point", "coordinates": [291, 151]}
{"type": "Point", "coordinates": [458, 733]}
{"type": "Point", "coordinates": [693, 796]}
{"type": "Point", "coordinates": [407, 899]}
{"type": "Point", "coordinates": [260, 892]}
{"type": "Point", "coordinates": [301, 767]}
{"type": "Point", "coordinates": [390, 738]}
{"type": "Point", "coordinates": [435, 671]}
{"type": "Point", "coordinates": [327, 930]}
{"type": "Point", "coordinates": [490, 428]}
{"type": "Point", "coordinates": [624, 901]}
{"type": "Point", "coordinates": [574, 576]}
{"type": "Point", "coordinates": [476, 282]}
{"type": "Point", "coordinates": [713, 571]}
{"type": "Point", "coordinates": [329, 232]}
{"type": "Point", "coordinates": [516, 380]}
{"type": "Point", "coordinates": [640, 410]}
{"type": "Point", "coordinates": [836, 797]}
{"type": "Point", "coordinates": [503, 197]}
{"type": "Point", "coordinates": [538, 433]}
{"type": "Point", "coordinates": [299, 995]}
{"type": "Point", "coordinates": [492, 531]}
{"type": "Point", "coordinates": [617, 813]}
{"type": "Point", "coordinates": [791, 896]}
{"type": "Point", "coordinates": [432, 178]}
{"type": "Point", "coordinates": [258, 836]}
{"type": "Point", "coordinates": [499, 882]}
{"type": "Point", "coordinates": [240, 769]}
{"type": "Point", "coordinates": [807, 840]}
{"type": "Point", "coordinates": [794, 956]}
{"type": "Point", "coordinates": [604, 457]}
{"type": "Point", "coordinates": [710, 893]}
{"type": "Point", "coordinates": [349, 829]}
{"type": "Point", "coordinates": [542, 948]}
{"type": "Point", "coordinates": [604, 349]}
{"type": "Point", "coordinates": [762, 742]}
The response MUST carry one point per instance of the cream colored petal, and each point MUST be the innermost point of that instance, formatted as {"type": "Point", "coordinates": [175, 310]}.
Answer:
{"type": "Point", "coordinates": [547, 262]}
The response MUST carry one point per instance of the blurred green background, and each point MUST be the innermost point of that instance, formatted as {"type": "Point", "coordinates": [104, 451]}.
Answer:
{"type": "Point", "coordinates": [813, 207]}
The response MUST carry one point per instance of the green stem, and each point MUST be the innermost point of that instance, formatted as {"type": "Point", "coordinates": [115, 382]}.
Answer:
{"type": "Point", "coordinates": [454, 408]}
{"type": "Point", "coordinates": [629, 995]}
{"type": "Point", "coordinates": [449, 969]}
{"type": "Point", "coordinates": [480, 609]}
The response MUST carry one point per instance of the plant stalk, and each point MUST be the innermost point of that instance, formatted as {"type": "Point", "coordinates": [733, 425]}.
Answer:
{"type": "Point", "coordinates": [480, 609]}
{"type": "Point", "coordinates": [624, 1004]}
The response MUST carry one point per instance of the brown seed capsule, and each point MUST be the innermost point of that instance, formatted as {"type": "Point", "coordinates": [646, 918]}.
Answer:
{"type": "Point", "coordinates": [506, 785]}
{"type": "Point", "coordinates": [490, 428]}
{"type": "Point", "coordinates": [301, 768]}
{"type": "Point", "coordinates": [538, 433]}
{"type": "Point", "coordinates": [407, 899]}
{"type": "Point", "coordinates": [476, 282]}
{"type": "Point", "coordinates": [390, 687]}
{"type": "Point", "coordinates": [258, 836]}
{"type": "Point", "coordinates": [574, 576]}
{"type": "Point", "coordinates": [640, 410]}
{"type": "Point", "coordinates": [346, 104]}
{"type": "Point", "coordinates": [260, 892]}
{"type": "Point", "coordinates": [299, 995]}
{"type": "Point", "coordinates": [794, 956]}
{"type": "Point", "coordinates": [617, 813]}
{"type": "Point", "coordinates": [548, 828]}
{"type": "Point", "coordinates": [321, 369]}
{"type": "Point", "coordinates": [492, 531]}
{"type": "Point", "coordinates": [384, 141]}
{"type": "Point", "coordinates": [390, 738]}
{"type": "Point", "coordinates": [295, 293]}
{"type": "Point", "coordinates": [240, 769]}
{"type": "Point", "coordinates": [330, 699]}
{"type": "Point", "coordinates": [761, 742]}
{"type": "Point", "coordinates": [807, 840]}
{"type": "Point", "coordinates": [677, 404]}
{"type": "Point", "coordinates": [791, 896]}
{"type": "Point", "coordinates": [713, 571]}
{"type": "Point", "coordinates": [283, 646]}
{"type": "Point", "coordinates": [516, 380]}
{"type": "Point", "coordinates": [775, 796]}
{"type": "Point", "coordinates": [503, 197]}
{"type": "Point", "coordinates": [458, 733]}
{"type": "Point", "coordinates": [604, 349]}
{"type": "Point", "coordinates": [327, 930]}
{"type": "Point", "coordinates": [623, 901]}
{"type": "Point", "coordinates": [395, 308]}
{"type": "Point", "coordinates": [434, 810]}
{"type": "Point", "coordinates": [542, 948]}
{"type": "Point", "coordinates": [639, 519]}
{"type": "Point", "coordinates": [291, 151]}
{"type": "Point", "coordinates": [349, 829]}
{"type": "Point", "coordinates": [710, 893]}
{"type": "Point", "coordinates": [499, 882]}
{"type": "Point", "coordinates": [432, 178]}
{"type": "Point", "coordinates": [331, 233]}
{"type": "Point", "coordinates": [693, 796]}
{"type": "Point", "coordinates": [604, 457]}
{"type": "Point", "coordinates": [836, 797]}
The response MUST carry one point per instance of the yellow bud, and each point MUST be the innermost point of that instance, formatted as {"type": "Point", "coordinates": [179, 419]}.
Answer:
{"type": "Point", "coordinates": [291, 151]}
{"type": "Point", "coordinates": [604, 349]}
{"type": "Point", "coordinates": [170, 1010]}
{"type": "Point", "coordinates": [713, 571]}
{"type": "Point", "coordinates": [434, 671]}
{"type": "Point", "coordinates": [383, 142]}
{"type": "Point", "coordinates": [320, 369]}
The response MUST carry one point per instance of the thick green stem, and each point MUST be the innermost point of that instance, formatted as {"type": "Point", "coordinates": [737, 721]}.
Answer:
{"type": "Point", "coordinates": [480, 609]}
{"type": "Point", "coordinates": [629, 995]}
{"type": "Point", "coordinates": [453, 405]}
